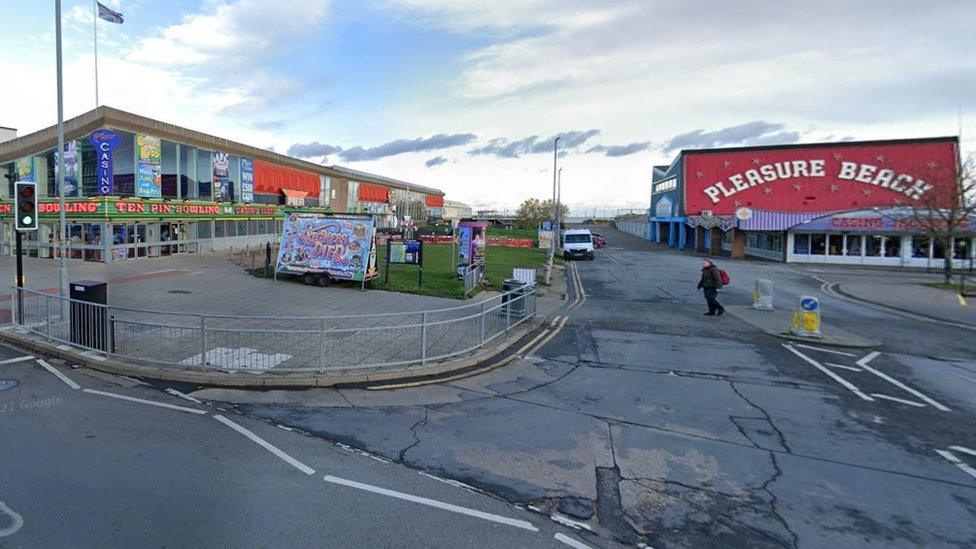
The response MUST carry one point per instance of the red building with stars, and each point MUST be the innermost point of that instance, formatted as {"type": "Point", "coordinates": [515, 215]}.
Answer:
{"type": "Point", "coordinates": [812, 203]}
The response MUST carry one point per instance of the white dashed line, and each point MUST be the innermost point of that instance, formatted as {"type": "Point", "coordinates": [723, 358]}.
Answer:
{"type": "Point", "coordinates": [963, 449]}
{"type": "Point", "coordinates": [863, 363]}
{"type": "Point", "coordinates": [951, 458]}
{"type": "Point", "coordinates": [563, 538]}
{"type": "Point", "coordinates": [16, 522]}
{"type": "Point", "coordinates": [184, 396]}
{"type": "Point", "coordinates": [822, 350]}
{"type": "Point", "coordinates": [842, 367]}
{"type": "Point", "coordinates": [67, 381]}
{"type": "Point", "coordinates": [18, 359]}
{"type": "Point", "coordinates": [525, 525]}
{"type": "Point", "coordinates": [832, 375]}
{"type": "Point", "coordinates": [149, 402]}
{"type": "Point", "coordinates": [566, 521]}
{"type": "Point", "coordinates": [901, 400]}
{"type": "Point", "coordinates": [266, 445]}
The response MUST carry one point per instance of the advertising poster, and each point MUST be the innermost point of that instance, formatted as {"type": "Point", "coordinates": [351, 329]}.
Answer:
{"type": "Point", "coordinates": [464, 244]}
{"type": "Point", "coordinates": [247, 180]}
{"type": "Point", "coordinates": [70, 168]}
{"type": "Point", "coordinates": [221, 176]}
{"type": "Point", "coordinates": [473, 241]}
{"type": "Point", "coordinates": [340, 246]}
{"type": "Point", "coordinates": [25, 169]}
{"type": "Point", "coordinates": [149, 178]}
{"type": "Point", "coordinates": [104, 142]}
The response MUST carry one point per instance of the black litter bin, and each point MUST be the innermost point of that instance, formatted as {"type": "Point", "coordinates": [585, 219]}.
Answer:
{"type": "Point", "coordinates": [513, 290]}
{"type": "Point", "coordinates": [89, 318]}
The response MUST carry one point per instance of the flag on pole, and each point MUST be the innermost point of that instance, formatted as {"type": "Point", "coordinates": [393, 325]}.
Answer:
{"type": "Point", "coordinates": [109, 15]}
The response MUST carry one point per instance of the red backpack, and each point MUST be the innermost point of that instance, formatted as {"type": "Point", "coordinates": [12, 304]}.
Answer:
{"type": "Point", "coordinates": [724, 276]}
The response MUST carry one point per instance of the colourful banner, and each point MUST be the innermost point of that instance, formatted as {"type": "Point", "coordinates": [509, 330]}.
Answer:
{"type": "Point", "coordinates": [149, 178]}
{"type": "Point", "coordinates": [71, 188]}
{"type": "Point", "coordinates": [337, 245]}
{"type": "Point", "coordinates": [473, 239]}
{"type": "Point", "coordinates": [221, 176]}
{"type": "Point", "coordinates": [104, 142]}
{"type": "Point", "coordinates": [247, 180]}
{"type": "Point", "coordinates": [25, 169]}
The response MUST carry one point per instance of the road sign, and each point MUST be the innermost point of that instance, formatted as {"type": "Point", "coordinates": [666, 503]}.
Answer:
{"type": "Point", "coordinates": [809, 304]}
{"type": "Point", "coordinates": [806, 317]}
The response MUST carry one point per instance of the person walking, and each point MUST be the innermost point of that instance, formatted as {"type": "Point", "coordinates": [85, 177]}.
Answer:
{"type": "Point", "coordinates": [710, 283]}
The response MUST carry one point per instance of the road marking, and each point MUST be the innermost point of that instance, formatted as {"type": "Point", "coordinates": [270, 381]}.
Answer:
{"type": "Point", "coordinates": [963, 449]}
{"type": "Point", "coordinates": [563, 538]}
{"type": "Point", "coordinates": [611, 258]}
{"type": "Point", "coordinates": [67, 381]}
{"type": "Point", "coordinates": [566, 521]}
{"type": "Point", "coordinates": [964, 377]}
{"type": "Point", "coordinates": [549, 337]}
{"type": "Point", "coordinates": [18, 359]}
{"type": "Point", "coordinates": [266, 445]}
{"type": "Point", "coordinates": [957, 462]}
{"type": "Point", "coordinates": [822, 350]}
{"type": "Point", "coordinates": [842, 367]}
{"type": "Point", "coordinates": [832, 375]}
{"type": "Point", "coordinates": [18, 521]}
{"type": "Point", "coordinates": [580, 290]}
{"type": "Point", "coordinates": [863, 363]}
{"type": "Point", "coordinates": [525, 525]}
{"type": "Point", "coordinates": [829, 288]}
{"type": "Point", "coordinates": [962, 300]}
{"type": "Point", "coordinates": [901, 400]}
{"type": "Point", "coordinates": [149, 402]}
{"type": "Point", "coordinates": [184, 396]}
{"type": "Point", "coordinates": [159, 272]}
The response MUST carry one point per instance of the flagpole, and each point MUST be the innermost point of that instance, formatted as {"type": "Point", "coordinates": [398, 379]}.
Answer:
{"type": "Point", "coordinates": [95, 26]}
{"type": "Point", "coordinates": [63, 263]}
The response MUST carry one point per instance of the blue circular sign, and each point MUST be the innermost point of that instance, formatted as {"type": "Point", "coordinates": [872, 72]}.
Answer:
{"type": "Point", "coordinates": [809, 304]}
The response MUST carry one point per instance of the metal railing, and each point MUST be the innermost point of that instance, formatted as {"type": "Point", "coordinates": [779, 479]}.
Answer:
{"type": "Point", "coordinates": [258, 344]}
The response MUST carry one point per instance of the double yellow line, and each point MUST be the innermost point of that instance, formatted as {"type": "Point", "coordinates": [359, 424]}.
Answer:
{"type": "Point", "coordinates": [580, 291]}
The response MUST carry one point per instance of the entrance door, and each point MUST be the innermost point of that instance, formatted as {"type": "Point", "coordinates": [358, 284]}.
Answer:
{"type": "Point", "coordinates": [165, 235]}
{"type": "Point", "coordinates": [152, 237]}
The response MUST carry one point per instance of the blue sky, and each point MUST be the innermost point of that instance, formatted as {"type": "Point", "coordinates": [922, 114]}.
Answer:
{"type": "Point", "coordinates": [483, 85]}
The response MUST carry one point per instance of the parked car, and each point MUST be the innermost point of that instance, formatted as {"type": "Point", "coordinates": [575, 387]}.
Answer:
{"type": "Point", "coordinates": [577, 243]}
{"type": "Point", "coordinates": [599, 241]}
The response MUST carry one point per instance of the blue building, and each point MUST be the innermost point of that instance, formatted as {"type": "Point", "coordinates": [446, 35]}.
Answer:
{"type": "Point", "coordinates": [665, 222]}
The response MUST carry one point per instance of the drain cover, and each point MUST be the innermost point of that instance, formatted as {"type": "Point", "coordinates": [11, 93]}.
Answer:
{"type": "Point", "coordinates": [7, 384]}
{"type": "Point", "coordinates": [178, 292]}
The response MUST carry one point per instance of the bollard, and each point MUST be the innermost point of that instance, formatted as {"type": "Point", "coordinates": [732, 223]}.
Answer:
{"type": "Point", "coordinates": [762, 296]}
{"type": "Point", "coordinates": [806, 317]}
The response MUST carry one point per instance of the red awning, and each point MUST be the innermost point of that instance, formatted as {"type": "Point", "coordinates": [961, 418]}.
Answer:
{"type": "Point", "coordinates": [373, 193]}
{"type": "Point", "coordinates": [294, 194]}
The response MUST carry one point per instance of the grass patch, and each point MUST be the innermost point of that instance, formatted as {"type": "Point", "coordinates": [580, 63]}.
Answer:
{"type": "Point", "coordinates": [440, 278]}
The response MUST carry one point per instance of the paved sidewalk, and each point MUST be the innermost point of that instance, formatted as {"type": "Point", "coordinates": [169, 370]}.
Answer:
{"type": "Point", "coordinates": [906, 292]}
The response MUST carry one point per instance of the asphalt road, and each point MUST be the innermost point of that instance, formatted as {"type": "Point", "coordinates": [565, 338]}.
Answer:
{"type": "Point", "coordinates": [633, 417]}
{"type": "Point", "coordinates": [85, 469]}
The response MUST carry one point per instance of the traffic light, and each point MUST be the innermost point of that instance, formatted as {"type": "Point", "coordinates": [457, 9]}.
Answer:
{"type": "Point", "coordinates": [26, 212]}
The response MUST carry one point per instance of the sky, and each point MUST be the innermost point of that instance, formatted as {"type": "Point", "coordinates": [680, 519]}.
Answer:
{"type": "Point", "coordinates": [468, 95]}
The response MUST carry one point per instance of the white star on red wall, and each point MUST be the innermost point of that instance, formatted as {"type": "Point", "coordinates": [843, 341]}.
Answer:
{"type": "Point", "coordinates": [834, 188]}
{"type": "Point", "coordinates": [931, 165]}
{"type": "Point", "coordinates": [838, 156]}
{"type": "Point", "coordinates": [880, 158]}
{"type": "Point", "coordinates": [727, 164]}
{"type": "Point", "coordinates": [768, 190]}
{"type": "Point", "coordinates": [797, 186]}
{"type": "Point", "coordinates": [699, 175]}
{"type": "Point", "coordinates": [755, 161]}
{"type": "Point", "coordinates": [736, 203]}
{"type": "Point", "coordinates": [866, 192]}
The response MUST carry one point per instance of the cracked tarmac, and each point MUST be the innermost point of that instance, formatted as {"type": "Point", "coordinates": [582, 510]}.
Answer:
{"type": "Point", "coordinates": [654, 424]}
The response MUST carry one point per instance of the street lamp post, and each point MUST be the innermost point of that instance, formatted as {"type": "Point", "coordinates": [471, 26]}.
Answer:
{"type": "Point", "coordinates": [63, 264]}
{"type": "Point", "coordinates": [559, 203]}
{"type": "Point", "coordinates": [552, 242]}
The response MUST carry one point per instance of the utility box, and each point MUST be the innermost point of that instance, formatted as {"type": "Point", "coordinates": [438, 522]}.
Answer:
{"type": "Point", "coordinates": [513, 298]}
{"type": "Point", "coordinates": [89, 314]}
{"type": "Point", "coordinates": [806, 317]}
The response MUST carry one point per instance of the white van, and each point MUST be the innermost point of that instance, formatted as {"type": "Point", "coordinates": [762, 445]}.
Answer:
{"type": "Point", "coordinates": [577, 243]}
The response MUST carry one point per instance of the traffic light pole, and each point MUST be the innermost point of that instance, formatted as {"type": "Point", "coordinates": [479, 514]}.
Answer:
{"type": "Point", "coordinates": [20, 276]}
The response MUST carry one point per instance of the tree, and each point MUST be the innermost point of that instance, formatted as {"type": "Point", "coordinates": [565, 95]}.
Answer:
{"type": "Point", "coordinates": [947, 216]}
{"type": "Point", "coordinates": [533, 211]}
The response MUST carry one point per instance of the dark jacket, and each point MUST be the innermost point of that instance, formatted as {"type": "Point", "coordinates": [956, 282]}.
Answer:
{"type": "Point", "coordinates": [710, 278]}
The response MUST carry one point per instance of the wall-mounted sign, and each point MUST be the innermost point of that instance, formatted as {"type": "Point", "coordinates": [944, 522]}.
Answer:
{"type": "Point", "coordinates": [104, 142]}
{"type": "Point", "coordinates": [820, 178]}
{"type": "Point", "coordinates": [668, 184]}
{"type": "Point", "coordinates": [70, 168]}
{"type": "Point", "coordinates": [149, 177]}
{"type": "Point", "coordinates": [220, 161]}
{"type": "Point", "coordinates": [247, 180]}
